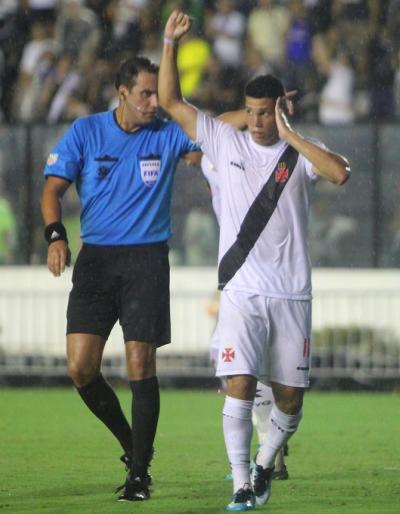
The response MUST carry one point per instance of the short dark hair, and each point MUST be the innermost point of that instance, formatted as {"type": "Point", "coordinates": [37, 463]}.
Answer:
{"type": "Point", "coordinates": [130, 68]}
{"type": "Point", "coordinates": [264, 86]}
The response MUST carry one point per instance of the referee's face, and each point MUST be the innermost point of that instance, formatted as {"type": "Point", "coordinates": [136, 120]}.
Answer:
{"type": "Point", "coordinates": [261, 120]}
{"type": "Point", "coordinates": [141, 102]}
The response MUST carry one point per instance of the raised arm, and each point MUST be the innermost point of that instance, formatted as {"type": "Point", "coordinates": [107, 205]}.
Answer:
{"type": "Point", "coordinates": [169, 90]}
{"type": "Point", "coordinates": [329, 165]}
{"type": "Point", "coordinates": [58, 253]}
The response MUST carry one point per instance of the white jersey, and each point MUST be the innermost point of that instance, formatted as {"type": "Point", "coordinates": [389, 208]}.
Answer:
{"type": "Point", "coordinates": [212, 176]}
{"type": "Point", "coordinates": [278, 264]}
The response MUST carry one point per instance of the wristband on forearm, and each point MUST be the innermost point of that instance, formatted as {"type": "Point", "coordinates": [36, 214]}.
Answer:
{"type": "Point", "coordinates": [55, 232]}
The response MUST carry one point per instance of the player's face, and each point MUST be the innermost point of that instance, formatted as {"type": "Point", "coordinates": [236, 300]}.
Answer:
{"type": "Point", "coordinates": [142, 100]}
{"type": "Point", "coordinates": [261, 120]}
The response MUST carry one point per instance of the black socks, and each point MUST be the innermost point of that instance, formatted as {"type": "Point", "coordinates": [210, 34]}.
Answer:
{"type": "Point", "coordinates": [103, 402]}
{"type": "Point", "coordinates": [145, 412]}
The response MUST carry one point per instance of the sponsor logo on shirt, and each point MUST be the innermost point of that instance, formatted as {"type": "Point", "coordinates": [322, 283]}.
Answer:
{"type": "Point", "coordinates": [150, 171]}
{"type": "Point", "coordinates": [281, 173]}
{"type": "Point", "coordinates": [228, 354]}
{"type": "Point", "coordinates": [52, 159]}
{"type": "Point", "coordinates": [239, 165]}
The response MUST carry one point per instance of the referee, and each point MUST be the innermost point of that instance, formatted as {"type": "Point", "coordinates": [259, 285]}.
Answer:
{"type": "Point", "coordinates": [123, 164]}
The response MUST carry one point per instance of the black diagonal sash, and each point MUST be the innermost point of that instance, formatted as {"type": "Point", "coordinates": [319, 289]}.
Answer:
{"type": "Point", "coordinates": [257, 217]}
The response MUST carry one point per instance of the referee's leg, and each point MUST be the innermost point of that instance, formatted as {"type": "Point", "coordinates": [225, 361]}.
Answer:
{"type": "Point", "coordinates": [141, 366]}
{"type": "Point", "coordinates": [84, 355]}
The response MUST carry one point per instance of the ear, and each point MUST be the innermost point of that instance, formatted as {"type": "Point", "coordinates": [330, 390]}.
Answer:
{"type": "Point", "coordinates": [122, 93]}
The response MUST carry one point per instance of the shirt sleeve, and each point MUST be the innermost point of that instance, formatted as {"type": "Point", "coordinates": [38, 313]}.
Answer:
{"type": "Point", "coordinates": [185, 144]}
{"type": "Point", "coordinates": [211, 133]}
{"type": "Point", "coordinates": [66, 158]}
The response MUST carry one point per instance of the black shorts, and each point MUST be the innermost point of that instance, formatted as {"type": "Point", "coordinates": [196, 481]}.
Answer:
{"type": "Point", "coordinates": [125, 283]}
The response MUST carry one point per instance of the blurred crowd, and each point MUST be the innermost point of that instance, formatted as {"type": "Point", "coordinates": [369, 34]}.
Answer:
{"type": "Point", "coordinates": [58, 57]}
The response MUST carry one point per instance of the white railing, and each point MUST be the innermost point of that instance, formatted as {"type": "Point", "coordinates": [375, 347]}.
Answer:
{"type": "Point", "coordinates": [355, 320]}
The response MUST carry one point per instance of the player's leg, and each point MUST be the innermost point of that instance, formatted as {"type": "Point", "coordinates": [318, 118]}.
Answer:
{"type": "Point", "coordinates": [261, 410]}
{"type": "Point", "coordinates": [145, 318]}
{"type": "Point", "coordinates": [84, 354]}
{"type": "Point", "coordinates": [241, 334]}
{"type": "Point", "coordinates": [284, 420]}
{"type": "Point", "coordinates": [238, 428]}
{"type": "Point", "coordinates": [91, 315]}
{"type": "Point", "coordinates": [287, 369]}
{"type": "Point", "coordinates": [141, 365]}
{"type": "Point", "coordinates": [262, 407]}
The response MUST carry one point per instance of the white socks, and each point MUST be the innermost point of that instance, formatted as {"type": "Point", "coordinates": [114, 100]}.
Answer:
{"type": "Point", "coordinates": [262, 406]}
{"type": "Point", "coordinates": [238, 427]}
{"type": "Point", "coordinates": [281, 427]}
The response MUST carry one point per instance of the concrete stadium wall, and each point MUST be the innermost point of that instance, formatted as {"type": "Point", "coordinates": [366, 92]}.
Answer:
{"type": "Point", "coordinates": [32, 307]}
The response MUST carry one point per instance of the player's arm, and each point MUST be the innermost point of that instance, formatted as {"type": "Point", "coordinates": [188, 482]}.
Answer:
{"type": "Point", "coordinates": [169, 90]}
{"type": "Point", "coordinates": [237, 119]}
{"type": "Point", "coordinates": [58, 253]}
{"type": "Point", "coordinates": [333, 167]}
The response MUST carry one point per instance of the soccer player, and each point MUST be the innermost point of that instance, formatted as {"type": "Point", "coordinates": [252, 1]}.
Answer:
{"type": "Point", "coordinates": [264, 271]}
{"type": "Point", "coordinates": [123, 163]}
{"type": "Point", "coordinates": [263, 399]}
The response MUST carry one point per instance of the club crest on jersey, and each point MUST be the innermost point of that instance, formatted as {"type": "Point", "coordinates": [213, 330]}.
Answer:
{"type": "Point", "coordinates": [150, 170]}
{"type": "Point", "coordinates": [228, 353]}
{"type": "Point", "coordinates": [281, 172]}
{"type": "Point", "coordinates": [52, 159]}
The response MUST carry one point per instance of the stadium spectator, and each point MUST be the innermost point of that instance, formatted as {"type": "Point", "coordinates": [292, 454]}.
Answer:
{"type": "Point", "coordinates": [193, 57]}
{"type": "Point", "coordinates": [35, 56]}
{"type": "Point", "coordinates": [218, 90]}
{"type": "Point", "coordinates": [267, 27]}
{"type": "Point", "coordinates": [298, 65]}
{"type": "Point", "coordinates": [336, 104]}
{"type": "Point", "coordinates": [77, 31]}
{"type": "Point", "coordinates": [226, 29]}
{"type": "Point", "coordinates": [41, 10]}
{"type": "Point", "coordinates": [124, 163]}
{"type": "Point", "coordinates": [264, 271]}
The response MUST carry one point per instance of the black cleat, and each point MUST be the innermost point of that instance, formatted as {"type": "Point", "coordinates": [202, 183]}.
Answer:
{"type": "Point", "coordinates": [127, 460]}
{"type": "Point", "coordinates": [261, 479]}
{"type": "Point", "coordinates": [135, 489]}
{"type": "Point", "coordinates": [280, 474]}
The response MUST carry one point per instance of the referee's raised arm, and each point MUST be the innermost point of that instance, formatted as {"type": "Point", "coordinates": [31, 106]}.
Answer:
{"type": "Point", "coordinates": [169, 91]}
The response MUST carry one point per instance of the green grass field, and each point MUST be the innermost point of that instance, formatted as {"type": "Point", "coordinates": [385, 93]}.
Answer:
{"type": "Point", "coordinates": [55, 457]}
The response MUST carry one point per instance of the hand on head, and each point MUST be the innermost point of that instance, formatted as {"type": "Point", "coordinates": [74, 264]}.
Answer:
{"type": "Point", "coordinates": [178, 25]}
{"type": "Point", "coordinates": [284, 103]}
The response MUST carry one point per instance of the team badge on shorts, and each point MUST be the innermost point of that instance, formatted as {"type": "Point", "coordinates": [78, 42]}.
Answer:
{"type": "Point", "coordinates": [282, 172]}
{"type": "Point", "coordinates": [150, 170]}
{"type": "Point", "coordinates": [228, 353]}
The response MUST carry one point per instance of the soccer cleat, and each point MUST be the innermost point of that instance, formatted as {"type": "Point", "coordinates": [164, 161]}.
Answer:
{"type": "Point", "coordinates": [134, 489]}
{"type": "Point", "coordinates": [127, 460]}
{"type": "Point", "coordinates": [243, 499]}
{"type": "Point", "coordinates": [261, 479]}
{"type": "Point", "coordinates": [280, 474]}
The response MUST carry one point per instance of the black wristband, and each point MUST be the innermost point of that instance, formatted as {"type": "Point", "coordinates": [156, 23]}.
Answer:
{"type": "Point", "coordinates": [55, 232]}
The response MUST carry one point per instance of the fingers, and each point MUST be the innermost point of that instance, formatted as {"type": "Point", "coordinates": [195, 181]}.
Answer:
{"type": "Point", "coordinates": [181, 21]}
{"type": "Point", "coordinates": [289, 103]}
{"type": "Point", "coordinates": [58, 256]}
{"type": "Point", "coordinates": [291, 94]}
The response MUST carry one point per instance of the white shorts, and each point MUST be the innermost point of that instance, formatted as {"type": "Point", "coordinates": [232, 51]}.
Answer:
{"type": "Point", "coordinates": [267, 338]}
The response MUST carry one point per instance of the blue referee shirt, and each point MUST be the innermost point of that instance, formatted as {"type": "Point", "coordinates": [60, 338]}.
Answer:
{"type": "Point", "coordinates": [124, 179]}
